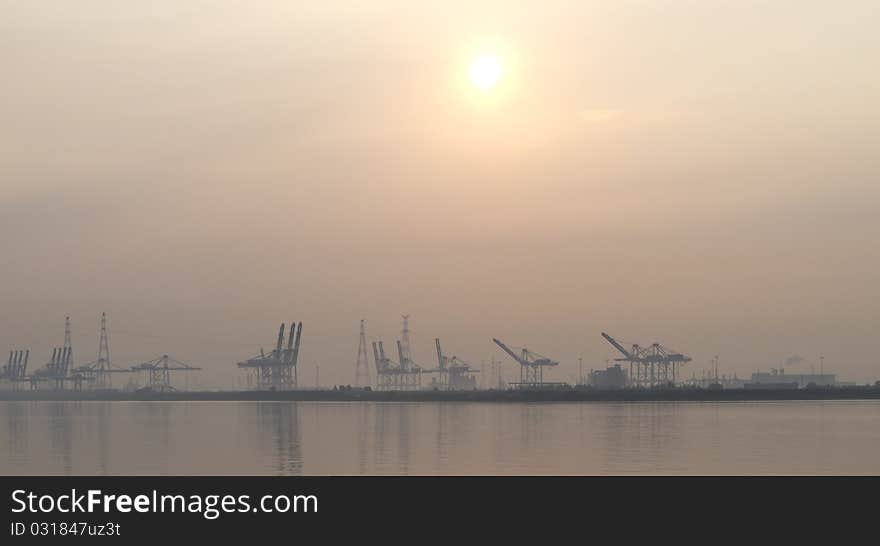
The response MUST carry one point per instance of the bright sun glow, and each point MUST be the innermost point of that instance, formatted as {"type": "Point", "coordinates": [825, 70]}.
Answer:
{"type": "Point", "coordinates": [486, 72]}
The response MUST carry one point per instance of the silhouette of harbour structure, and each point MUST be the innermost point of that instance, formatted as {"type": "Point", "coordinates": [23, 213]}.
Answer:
{"type": "Point", "coordinates": [278, 369]}
{"type": "Point", "coordinates": [651, 367]}
{"type": "Point", "coordinates": [15, 370]}
{"type": "Point", "coordinates": [159, 370]}
{"type": "Point", "coordinates": [451, 373]}
{"type": "Point", "coordinates": [60, 373]}
{"type": "Point", "coordinates": [531, 374]}
{"type": "Point", "coordinates": [454, 373]}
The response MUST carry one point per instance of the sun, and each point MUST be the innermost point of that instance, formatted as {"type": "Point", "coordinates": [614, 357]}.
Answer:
{"type": "Point", "coordinates": [486, 71]}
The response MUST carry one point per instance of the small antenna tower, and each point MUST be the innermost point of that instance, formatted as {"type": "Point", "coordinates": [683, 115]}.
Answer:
{"type": "Point", "coordinates": [362, 369]}
{"type": "Point", "coordinates": [406, 356]}
{"type": "Point", "coordinates": [102, 366]}
{"type": "Point", "coordinates": [67, 343]}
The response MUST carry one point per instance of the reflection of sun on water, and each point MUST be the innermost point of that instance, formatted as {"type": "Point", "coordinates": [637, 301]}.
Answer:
{"type": "Point", "coordinates": [486, 72]}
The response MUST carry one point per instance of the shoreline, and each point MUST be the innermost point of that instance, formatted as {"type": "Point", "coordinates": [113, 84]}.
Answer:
{"type": "Point", "coordinates": [490, 396]}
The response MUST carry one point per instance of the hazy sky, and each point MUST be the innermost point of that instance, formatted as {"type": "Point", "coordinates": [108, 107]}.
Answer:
{"type": "Point", "coordinates": [699, 173]}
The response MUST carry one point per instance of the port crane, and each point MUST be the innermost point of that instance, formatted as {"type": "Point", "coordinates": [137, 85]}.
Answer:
{"type": "Point", "coordinates": [277, 370]}
{"type": "Point", "coordinates": [532, 365]}
{"type": "Point", "coordinates": [383, 363]}
{"type": "Point", "coordinates": [57, 370]}
{"type": "Point", "coordinates": [454, 372]}
{"type": "Point", "coordinates": [159, 371]}
{"type": "Point", "coordinates": [15, 370]}
{"type": "Point", "coordinates": [652, 364]}
{"type": "Point", "coordinates": [628, 356]}
{"type": "Point", "coordinates": [406, 361]}
{"type": "Point", "coordinates": [391, 375]}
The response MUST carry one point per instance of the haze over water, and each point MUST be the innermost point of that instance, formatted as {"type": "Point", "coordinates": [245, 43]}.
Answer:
{"type": "Point", "coordinates": [317, 438]}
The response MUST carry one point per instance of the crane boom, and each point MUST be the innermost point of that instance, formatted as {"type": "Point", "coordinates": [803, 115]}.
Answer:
{"type": "Point", "coordinates": [440, 361]}
{"type": "Point", "coordinates": [617, 345]}
{"type": "Point", "coordinates": [299, 332]}
{"type": "Point", "coordinates": [290, 335]}
{"type": "Point", "coordinates": [507, 350]}
{"type": "Point", "coordinates": [376, 358]}
{"type": "Point", "coordinates": [280, 340]}
{"type": "Point", "coordinates": [400, 355]}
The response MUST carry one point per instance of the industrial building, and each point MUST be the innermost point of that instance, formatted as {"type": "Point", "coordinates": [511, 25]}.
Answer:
{"type": "Point", "coordinates": [778, 377]}
{"type": "Point", "coordinates": [613, 377]}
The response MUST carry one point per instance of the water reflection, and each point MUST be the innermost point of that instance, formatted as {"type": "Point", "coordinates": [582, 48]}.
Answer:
{"type": "Point", "coordinates": [636, 437]}
{"type": "Point", "coordinates": [61, 434]}
{"type": "Point", "coordinates": [382, 456]}
{"type": "Point", "coordinates": [17, 431]}
{"type": "Point", "coordinates": [362, 458]}
{"type": "Point", "coordinates": [279, 428]}
{"type": "Point", "coordinates": [413, 438]}
{"type": "Point", "coordinates": [403, 431]}
{"type": "Point", "coordinates": [441, 438]}
{"type": "Point", "coordinates": [151, 422]}
{"type": "Point", "coordinates": [104, 422]}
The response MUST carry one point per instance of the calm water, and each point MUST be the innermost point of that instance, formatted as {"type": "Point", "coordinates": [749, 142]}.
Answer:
{"type": "Point", "coordinates": [437, 438]}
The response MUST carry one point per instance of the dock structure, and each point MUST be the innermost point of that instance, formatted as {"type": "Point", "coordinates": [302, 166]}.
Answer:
{"type": "Point", "coordinates": [278, 369]}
